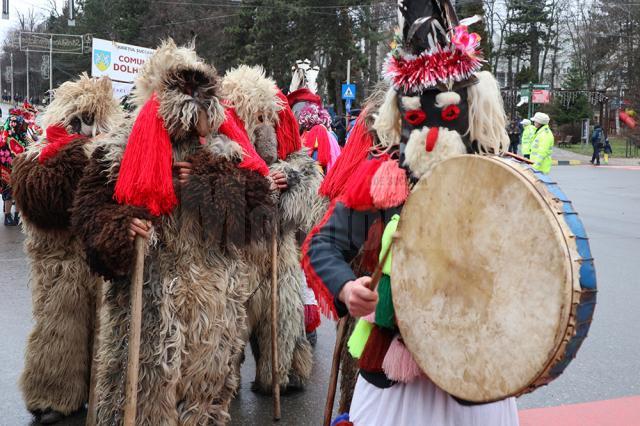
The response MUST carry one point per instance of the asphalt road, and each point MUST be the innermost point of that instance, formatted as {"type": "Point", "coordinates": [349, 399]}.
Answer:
{"type": "Point", "coordinates": [607, 366]}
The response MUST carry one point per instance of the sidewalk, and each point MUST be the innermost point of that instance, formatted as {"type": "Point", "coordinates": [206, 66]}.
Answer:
{"type": "Point", "coordinates": [565, 158]}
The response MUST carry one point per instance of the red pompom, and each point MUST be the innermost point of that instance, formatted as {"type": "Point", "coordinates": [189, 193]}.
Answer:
{"type": "Point", "coordinates": [358, 196]}
{"type": "Point", "coordinates": [311, 318]}
{"type": "Point", "coordinates": [415, 117]}
{"type": "Point", "coordinates": [57, 138]}
{"type": "Point", "coordinates": [287, 130]}
{"type": "Point", "coordinates": [233, 128]}
{"type": "Point", "coordinates": [432, 138]}
{"type": "Point", "coordinates": [145, 178]}
{"type": "Point", "coordinates": [389, 187]}
{"type": "Point", "coordinates": [318, 138]}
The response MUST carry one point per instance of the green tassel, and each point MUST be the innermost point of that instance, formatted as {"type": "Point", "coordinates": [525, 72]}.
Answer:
{"type": "Point", "coordinates": [359, 338]}
{"type": "Point", "coordinates": [384, 309]}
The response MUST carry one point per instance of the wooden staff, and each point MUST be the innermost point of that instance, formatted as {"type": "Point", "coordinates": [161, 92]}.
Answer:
{"type": "Point", "coordinates": [135, 325]}
{"type": "Point", "coordinates": [91, 409]}
{"type": "Point", "coordinates": [275, 382]}
{"type": "Point", "coordinates": [517, 157]}
{"type": "Point", "coordinates": [340, 342]}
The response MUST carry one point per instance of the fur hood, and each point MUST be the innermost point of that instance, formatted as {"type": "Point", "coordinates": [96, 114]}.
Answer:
{"type": "Point", "coordinates": [86, 104]}
{"type": "Point", "coordinates": [252, 94]}
{"type": "Point", "coordinates": [182, 81]}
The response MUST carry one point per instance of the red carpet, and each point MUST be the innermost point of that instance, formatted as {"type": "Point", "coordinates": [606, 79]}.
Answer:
{"type": "Point", "coordinates": [614, 412]}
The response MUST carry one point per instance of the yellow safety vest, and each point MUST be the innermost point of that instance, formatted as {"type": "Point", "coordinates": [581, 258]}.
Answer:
{"type": "Point", "coordinates": [541, 149]}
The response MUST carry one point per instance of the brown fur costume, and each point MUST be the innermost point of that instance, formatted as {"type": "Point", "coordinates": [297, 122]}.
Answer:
{"type": "Point", "coordinates": [58, 354]}
{"type": "Point", "coordinates": [193, 318]}
{"type": "Point", "coordinates": [253, 95]}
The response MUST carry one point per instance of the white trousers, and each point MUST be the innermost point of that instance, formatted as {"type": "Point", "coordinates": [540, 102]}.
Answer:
{"type": "Point", "coordinates": [422, 403]}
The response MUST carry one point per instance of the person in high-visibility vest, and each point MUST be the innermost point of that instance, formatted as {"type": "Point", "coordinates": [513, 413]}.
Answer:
{"type": "Point", "coordinates": [542, 145]}
{"type": "Point", "coordinates": [528, 133]}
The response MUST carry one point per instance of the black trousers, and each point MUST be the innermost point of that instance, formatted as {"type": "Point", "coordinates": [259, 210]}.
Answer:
{"type": "Point", "coordinates": [513, 147]}
{"type": "Point", "coordinates": [595, 158]}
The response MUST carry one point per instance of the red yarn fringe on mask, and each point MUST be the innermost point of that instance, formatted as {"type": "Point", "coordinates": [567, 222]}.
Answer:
{"type": "Point", "coordinates": [358, 195]}
{"type": "Point", "coordinates": [389, 187]}
{"type": "Point", "coordinates": [57, 138]}
{"type": "Point", "coordinates": [287, 130]}
{"type": "Point", "coordinates": [233, 128]}
{"type": "Point", "coordinates": [322, 293]}
{"type": "Point", "coordinates": [375, 350]}
{"type": "Point", "coordinates": [318, 135]}
{"type": "Point", "coordinates": [355, 151]}
{"type": "Point", "coordinates": [145, 178]}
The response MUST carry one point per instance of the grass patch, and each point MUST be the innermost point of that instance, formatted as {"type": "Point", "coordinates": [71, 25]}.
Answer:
{"type": "Point", "coordinates": [618, 146]}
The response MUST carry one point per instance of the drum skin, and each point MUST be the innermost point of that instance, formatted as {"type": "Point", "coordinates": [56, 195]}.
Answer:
{"type": "Point", "coordinates": [486, 283]}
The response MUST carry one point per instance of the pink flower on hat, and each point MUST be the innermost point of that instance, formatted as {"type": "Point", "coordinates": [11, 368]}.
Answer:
{"type": "Point", "coordinates": [464, 41]}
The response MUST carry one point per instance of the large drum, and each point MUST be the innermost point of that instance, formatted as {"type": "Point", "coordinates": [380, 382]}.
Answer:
{"type": "Point", "coordinates": [493, 282]}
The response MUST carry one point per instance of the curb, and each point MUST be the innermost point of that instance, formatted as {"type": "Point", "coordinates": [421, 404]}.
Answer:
{"type": "Point", "coordinates": [567, 162]}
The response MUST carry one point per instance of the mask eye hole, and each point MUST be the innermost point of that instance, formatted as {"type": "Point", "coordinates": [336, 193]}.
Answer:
{"type": "Point", "coordinates": [450, 113]}
{"type": "Point", "coordinates": [415, 117]}
{"type": "Point", "coordinates": [87, 118]}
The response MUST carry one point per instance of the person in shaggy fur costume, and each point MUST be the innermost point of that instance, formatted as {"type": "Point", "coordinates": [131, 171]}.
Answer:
{"type": "Point", "coordinates": [169, 176]}
{"type": "Point", "coordinates": [55, 380]}
{"type": "Point", "coordinates": [438, 105]}
{"type": "Point", "coordinates": [272, 128]}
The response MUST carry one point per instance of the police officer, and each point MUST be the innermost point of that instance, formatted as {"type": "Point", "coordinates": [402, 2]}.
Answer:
{"type": "Point", "coordinates": [528, 133]}
{"type": "Point", "coordinates": [542, 145]}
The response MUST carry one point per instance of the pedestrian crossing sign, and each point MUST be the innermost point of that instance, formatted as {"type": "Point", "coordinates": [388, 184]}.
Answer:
{"type": "Point", "coordinates": [348, 91]}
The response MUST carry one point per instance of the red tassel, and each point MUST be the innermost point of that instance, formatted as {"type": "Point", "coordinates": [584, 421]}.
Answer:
{"type": "Point", "coordinates": [375, 350]}
{"type": "Point", "coordinates": [389, 187]}
{"type": "Point", "coordinates": [311, 317]}
{"type": "Point", "coordinates": [322, 293]}
{"type": "Point", "coordinates": [287, 130]}
{"type": "Point", "coordinates": [355, 151]}
{"type": "Point", "coordinates": [145, 178]}
{"type": "Point", "coordinates": [358, 196]}
{"type": "Point", "coordinates": [233, 128]}
{"type": "Point", "coordinates": [319, 136]}
{"type": "Point", "coordinates": [57, 138]}
{"type": "Point", "coordinates": [371, 247]}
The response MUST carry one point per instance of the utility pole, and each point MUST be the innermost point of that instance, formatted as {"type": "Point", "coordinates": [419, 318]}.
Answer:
{"type": "Point", "coordinates": [12, 98]}
{"type": "Point", "coordinates": [27, 74]}
{"type": "Point", "coordinates": [530, 106]}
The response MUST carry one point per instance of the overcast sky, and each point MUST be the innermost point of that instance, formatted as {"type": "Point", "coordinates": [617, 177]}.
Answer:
{"type": "Point", "coordinates": [40, 7]}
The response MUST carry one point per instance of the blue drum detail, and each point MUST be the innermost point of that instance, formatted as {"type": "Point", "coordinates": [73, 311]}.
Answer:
{"type": "Point", "coordinates": [587, 273]}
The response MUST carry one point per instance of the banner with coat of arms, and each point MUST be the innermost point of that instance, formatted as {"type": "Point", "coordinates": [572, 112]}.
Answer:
{"type": "Point", "coordinates": [119, 61]}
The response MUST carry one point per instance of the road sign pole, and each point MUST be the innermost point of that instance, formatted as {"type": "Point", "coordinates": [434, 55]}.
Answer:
{"type": "Point", "coordinates": [347, 105]}
{"type": "Point", "coordinates": [27, 74]}
{"type": "Point", "coordinates": [530, 106]}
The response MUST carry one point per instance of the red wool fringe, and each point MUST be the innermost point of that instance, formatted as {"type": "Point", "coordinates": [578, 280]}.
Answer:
{"type": "Point", "coordinates": [375, 350]}
{"type": "Point", "coordinates": [322, 293]}
{"type": "Point", "coordinates": [145, 178]}
{"type": "Point", "coordinates": [318, 134]}
{"type": "Point", "coordinates": [233, 128]}
{"type": "Point", "coordinates": [287, 130]}
{"type": "Point", "coordinates": [389, 187]}
{"type": "Point", "coordinates": [311, 318]}
{"type": "Point", "coordinates": [355, 151]}
{"type": "Point", "coordinates": [57, 138]}
{"type": "Point", "coordinates": [358, 196]}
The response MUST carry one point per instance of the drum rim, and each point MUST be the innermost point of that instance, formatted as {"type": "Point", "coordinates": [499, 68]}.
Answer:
{"type": "Point", "coordinates": [564, 334]}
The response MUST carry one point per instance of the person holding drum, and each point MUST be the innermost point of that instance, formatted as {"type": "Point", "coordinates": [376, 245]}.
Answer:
{"type": "Point", "coordinates": [438, 106]}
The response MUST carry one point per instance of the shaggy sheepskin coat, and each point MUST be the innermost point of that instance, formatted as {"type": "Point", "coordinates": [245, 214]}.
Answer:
{"type": "Point", "coordinates": [194, 295]}
{"type": "Point", "coordinates": [59, 348]}
{"type": "Point", "coordinates": [262, 109]}
{"type": "Point", "coordinates": [298, 207]}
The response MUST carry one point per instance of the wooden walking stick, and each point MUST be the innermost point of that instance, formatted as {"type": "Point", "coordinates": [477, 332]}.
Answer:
{"type": "Point", "coordinates": [340, 342]}
{"type": "Point", "coordinates": [91, 407]}
{"type": "Point", "coordinates": [135, 324]}
{"type": "Point", "coordinates": [275, 382]}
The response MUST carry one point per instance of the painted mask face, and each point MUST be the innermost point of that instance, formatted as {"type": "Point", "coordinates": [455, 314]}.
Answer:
{"type": "Point", "coordinates": [435, 127]}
